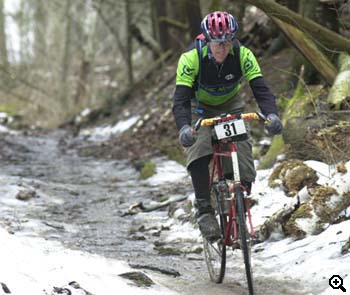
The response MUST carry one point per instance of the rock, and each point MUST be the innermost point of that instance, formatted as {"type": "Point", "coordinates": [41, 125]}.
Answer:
{"type": "Point", "coordinates": [332, 143]}
{"type": "Point", "coordinates": [167, 251]}
{"type": "Point", "coordinates": [25, 195]}
{"type": "Point", "coordinates": [346, 247]}
{"type": "Point", "coordinates": [328, 204]}
{"type": "Point", "coordinates": [166, 271]}
{"type": "Point", "coordinates": [324, 207]}
{"type": "Point", "coordinates": [5, 288]}
{"type": "Point", "coordinates": [72, 288]}
{"type": "Point", "coordinates": [292, 227]}
{"type": "Point", "coordinates": [275, 223]}
{"type": "Point", "coordinates": [139, 278]}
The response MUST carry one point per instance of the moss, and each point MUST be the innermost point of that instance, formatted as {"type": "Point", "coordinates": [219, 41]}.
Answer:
{"type": "Point", "coordinates": [341, 168]}
{"type": "Point", "coordinates": [326, 211]}
{"type": "Point", "coordinates": [11, 109]}
{"type": "Point", "coordinates": [173, 150]}
{"type": "Point", "coordinates": [275, 149]}
{"type": "Point", "coordinates": [298, 177]}
{"type": "Point", "coordinates": [163, 198]}
{"type": "Point", "coordinates": [148, 170]}
{"type": "Point", "coordinates": [303, 102]}
{"type": "Point", "coordinates": [280, 171]}
{"type": "Point", "coordinates": [294, 175]}
{"type": "Point", "coordinates": [291, 228]}
{"type": "Point", "coordinates": [257, 152]}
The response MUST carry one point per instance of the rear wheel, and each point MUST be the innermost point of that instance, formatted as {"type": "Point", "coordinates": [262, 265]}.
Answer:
{"type": "Point", "coordinates": [244, 237]}
{"type": "Point", "coordinates": [215, 252]}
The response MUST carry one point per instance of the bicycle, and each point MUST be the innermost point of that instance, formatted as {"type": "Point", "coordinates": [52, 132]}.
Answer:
{"type": "Point", "coordinates": [229, 197]}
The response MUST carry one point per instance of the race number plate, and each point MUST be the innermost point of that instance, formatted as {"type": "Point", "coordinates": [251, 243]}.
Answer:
{"type": "Point", "coordinates": [230, 129]}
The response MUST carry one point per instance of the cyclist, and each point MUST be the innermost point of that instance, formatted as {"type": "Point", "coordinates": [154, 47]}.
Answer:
{"type": "Point", "coordinates": [207, 82]}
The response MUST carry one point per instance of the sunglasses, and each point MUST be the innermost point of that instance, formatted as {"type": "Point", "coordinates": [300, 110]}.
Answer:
{"type": "Point", "coordinates": [224, 44]}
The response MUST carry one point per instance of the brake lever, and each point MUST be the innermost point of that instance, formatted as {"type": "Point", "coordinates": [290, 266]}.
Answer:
{"type": "Point", "coordinates": [197, 125]}
{"type": "Point", "coordinates": [262, 117]}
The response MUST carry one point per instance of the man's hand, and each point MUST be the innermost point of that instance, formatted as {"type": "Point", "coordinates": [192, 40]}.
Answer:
{"type": "Point", "coordinates": [274, 125]}
{"type": "Point", "coordinates": [187, 136]}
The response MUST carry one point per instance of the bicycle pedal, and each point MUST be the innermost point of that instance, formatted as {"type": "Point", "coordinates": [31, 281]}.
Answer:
{"type": "Point", "coordinates": [235, 246]}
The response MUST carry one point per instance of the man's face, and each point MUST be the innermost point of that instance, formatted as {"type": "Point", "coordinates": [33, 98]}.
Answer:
{"type": "Point", "coordinates": [220, 50]}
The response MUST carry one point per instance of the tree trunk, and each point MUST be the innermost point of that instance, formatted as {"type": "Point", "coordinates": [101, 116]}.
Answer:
{"type": "Point", "coordinates": [331, 40]}
{"type": "Point", "coordinates": [3, 49]}
{"type": "Point", "coordinates": [81, 95]}
{"type": "Point", "coordinates": [194, 17]}
{"type": "Point", "coordinates": [239, 15]}
{"type": "Point", "coordinates": [66, 56]}
{"type": "Point", "coordinates": [40, 26]}
{"type": "Point", "coordinates": [177, 38]}
{"type": "Point", "coordinates": [309, 49]}
{"type": "Point", "coordinates": [162, 28]}
{"type": "Point", "coordinates": [340, 91]}
{"type": "Point", "coordinates": [129, 48]}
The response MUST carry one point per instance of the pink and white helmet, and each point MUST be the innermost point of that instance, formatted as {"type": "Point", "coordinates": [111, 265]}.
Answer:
{"type": "Point", "coordinates": [219, 26]}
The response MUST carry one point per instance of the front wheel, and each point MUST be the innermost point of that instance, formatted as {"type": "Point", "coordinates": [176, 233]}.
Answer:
{"type": "Point", "coordinates": [215, 252]}
{"type": "Point", "coordinates": [244, 237]}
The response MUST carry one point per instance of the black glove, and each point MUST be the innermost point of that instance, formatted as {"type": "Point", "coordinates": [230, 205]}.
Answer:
{"type": "Point", "coordinates": [187, 136]}
{"type": "Point", "coordinates": [274, 125]}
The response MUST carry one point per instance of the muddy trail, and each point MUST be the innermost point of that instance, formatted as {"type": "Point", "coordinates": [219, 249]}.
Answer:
{"type": "Point", "coordinates": [82, 201]}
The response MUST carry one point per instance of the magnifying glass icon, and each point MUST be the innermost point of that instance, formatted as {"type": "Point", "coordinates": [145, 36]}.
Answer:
{"type": "Point", "coordinates": [336, 282]}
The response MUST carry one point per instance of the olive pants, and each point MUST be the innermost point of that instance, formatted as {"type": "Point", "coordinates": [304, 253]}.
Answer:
{"type": "Point", "coordinates": [203, 145]}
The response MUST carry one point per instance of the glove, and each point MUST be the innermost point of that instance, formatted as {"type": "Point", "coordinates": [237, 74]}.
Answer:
{"type": "Point", "coordinates": [274, 125]}
{"type": "Point", "coordinates": [187, 136]}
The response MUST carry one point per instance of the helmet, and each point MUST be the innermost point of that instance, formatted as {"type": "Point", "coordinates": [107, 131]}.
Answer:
{"type": "Point", "coordinates": [219, 26]}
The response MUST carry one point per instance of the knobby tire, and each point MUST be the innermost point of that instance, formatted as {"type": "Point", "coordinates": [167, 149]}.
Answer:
{"type": "Point", "coordinates": [215, 252]}
{"type": "Point", "coordinates": [244, 237]}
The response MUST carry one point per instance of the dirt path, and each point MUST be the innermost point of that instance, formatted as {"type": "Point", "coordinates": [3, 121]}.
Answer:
{"type": "Point", "coordinates": [81, 201]}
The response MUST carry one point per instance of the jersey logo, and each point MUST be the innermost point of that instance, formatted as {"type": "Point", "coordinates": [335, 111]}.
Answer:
{"type": "Point", "coordinates": [229, 77]}
{"type": "Point", "coordinates": [187, 71]}
{"type": "Point", "coordinates": [248, 64]}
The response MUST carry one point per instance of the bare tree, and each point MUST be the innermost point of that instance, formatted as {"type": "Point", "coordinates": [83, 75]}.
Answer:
{"type": "Point", "coordinates": [194, 16]}
{"type": "Point", "coordinates": [129, 48]}
{"type": "Point", "coordinates": [3, 49]}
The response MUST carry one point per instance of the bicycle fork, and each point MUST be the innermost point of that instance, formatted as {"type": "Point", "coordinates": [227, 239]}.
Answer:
{"type": "Point", "coordinates": [232, 230]}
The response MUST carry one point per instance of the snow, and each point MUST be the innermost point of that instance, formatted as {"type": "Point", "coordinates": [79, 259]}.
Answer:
{"type": "Point", "coordinates": [36, 266]}
{"type": "Point", "coordinates": [103, 133]}
{"type": "Point", "coordinates": [167, 171]}
{"type": "Point", "coordinates": [311, 261]}
{"type": "Point", "coordinates": [314, 259]}
{"type": "Point", "coordinates": [40, 264]}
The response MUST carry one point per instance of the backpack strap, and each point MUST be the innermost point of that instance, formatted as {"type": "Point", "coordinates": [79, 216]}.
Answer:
{"type": "Point", "coordinates": [236, 48]}
{"type": "Point", "coordinates": [200, 43]}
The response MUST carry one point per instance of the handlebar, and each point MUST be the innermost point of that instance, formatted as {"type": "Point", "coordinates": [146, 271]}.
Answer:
{"type": "Point", "coordinates": [245, 116]}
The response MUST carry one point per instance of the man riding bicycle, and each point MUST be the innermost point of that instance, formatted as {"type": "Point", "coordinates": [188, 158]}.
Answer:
{"type": "Point", "coordinates": [207, 82]}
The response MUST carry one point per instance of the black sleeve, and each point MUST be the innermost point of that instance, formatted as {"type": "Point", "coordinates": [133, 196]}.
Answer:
{"type": "Point", "coordinates": [263, 95]}
{"type": "Point", "coordinates": [182, 105]}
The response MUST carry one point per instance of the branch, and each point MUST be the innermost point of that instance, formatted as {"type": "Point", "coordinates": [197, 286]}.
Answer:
{"type": "Point", "coordinates": [309, 49]}
{"type": "Point", "coordinates": [114, 32]}
{"type": "Point", "coordinates": [173, 23]}
{"type": "Point", "coordinates": [148, 208]}
{"type": "Point", "coordinates": [331, 40]}
{"type": "Point", "coordinates": [145, 39]}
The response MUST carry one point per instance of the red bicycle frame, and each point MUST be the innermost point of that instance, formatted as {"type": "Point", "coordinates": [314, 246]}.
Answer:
{"type": "Point", "coordinates": [231, 225]}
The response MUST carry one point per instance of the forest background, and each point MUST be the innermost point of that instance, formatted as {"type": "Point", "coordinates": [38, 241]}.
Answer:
{"type": "Point", "coordinates": [58, 58]}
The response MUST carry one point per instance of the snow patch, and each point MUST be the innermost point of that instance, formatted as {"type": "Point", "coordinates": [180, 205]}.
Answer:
{"type": "Point", "coordinates": [104, 133]}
